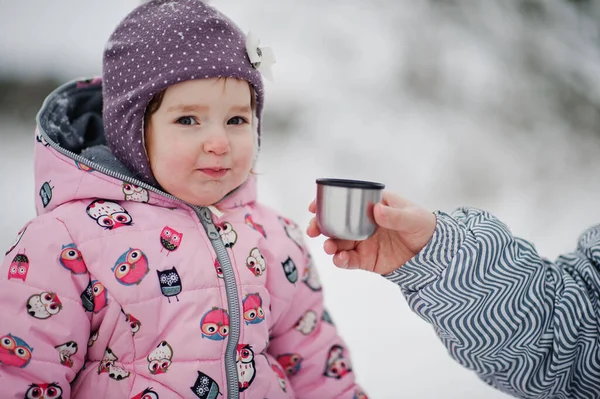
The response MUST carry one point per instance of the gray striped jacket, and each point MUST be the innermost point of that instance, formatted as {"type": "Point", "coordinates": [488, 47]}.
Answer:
{"type": "Point", "coordinates": [526, 325]}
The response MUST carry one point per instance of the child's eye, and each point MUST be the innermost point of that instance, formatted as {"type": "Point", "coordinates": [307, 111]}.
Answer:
{"type": "Point", "coordinates": [237, 120]}
{"type": "Point", "coordinates": [187, 120]}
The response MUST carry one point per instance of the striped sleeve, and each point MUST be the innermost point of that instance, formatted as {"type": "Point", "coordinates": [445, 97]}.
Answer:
{"type": "Point", "coordinates": [527, 326]}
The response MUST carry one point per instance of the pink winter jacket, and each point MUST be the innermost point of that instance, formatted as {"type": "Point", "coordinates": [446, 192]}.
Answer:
{"type": "Point", "coordinates": [117, 290]}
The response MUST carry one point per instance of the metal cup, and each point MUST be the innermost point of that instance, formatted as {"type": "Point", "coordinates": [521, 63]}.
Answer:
{"type": "Point", "coordinates": [345, 208]}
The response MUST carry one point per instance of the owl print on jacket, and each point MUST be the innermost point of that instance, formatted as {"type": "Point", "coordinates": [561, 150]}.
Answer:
{"type": "Point", "coordinates": [215, 324]}
{"type": "Point", "coordinates": [338, 365]}
{"type": "Point", "coordinates": [205, 387]}
{"type": "Point", "coordinates": [246, 366]}
{"type": "Point", "coordinates": [135, 193]}
{"type": "Point", "coordinates": [108, 214]}
{"type": "Point", "coordinates": [109, 359]}
{"type": "Point", "coordinates": [100, 296]}
{"type": "Point", "coordinates": [290, 270]}
{"type": "Point", "coordinates": [72, 260]}
{"type": "Point", "coordinates": [134, 324]}
{"type": "Point", "coordinates": [95, 297]}
{"type": "Point", "coordinates": [258, 227]}
{"type": "Point", "coordinates": [65, 351]}
{"type": "Point", "coordinates": [46, 193]}
{"type": "Point", "coordinates": [293, 232]}
{"type": "Point", "coordinates": [19, 267]}
{"type": "Point", "coordinates": [359, 394]}
{"type": "Point", "coordinates": [253, 311]}
{"type": "Point", "coordinates": [14, 351]}
{"type": "Point", "coordinates": [307, 323]}
{"type": "Point", "coordinates": [107, 365]}
{"type": "Point", "coordinates": [118, 373]}
{"type": "Point", "coordinates": [147, 393]}
{"type": "Point", "coordinates": [43, 306]}
{"type": "Point", "coordinates": [228, 234]}
{"type": "Point", "coordinates": [160, 358]}
{"type": "Point", "coordinates": [170, 283]}
{"type": "Point", "coordinates": [170, 239]}
{"type": "Point", "coordinates": [256, 262]}
{"type": "Point", "coordinates": [93, 338]}
{"type": "Point", "coordinates": [84, 167]}
{"type": "Point", "coordinates": [218, 268]}
{"type": "Point", "coordinates": [280, 376]}
{"type": "Point", "coordinates": [291, 363]}
{"type": "Point", "coordinates": [311, 277]}
{"type": "Point", "coordinates": [17, 240]}
{"type": "Point", "coordinates": [40, 139]}
{"type": "Point", "coordinates": [326, 317]}
{"type": "Point", "coordinates": [131, 267]}
{"type": "Point", "coordinates": [44, 391]}
{"type": "Point", "coordinates": [87, 298]}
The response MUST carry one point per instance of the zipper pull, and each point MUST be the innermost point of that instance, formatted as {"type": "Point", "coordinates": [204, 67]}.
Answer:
{"type": "Point", "coordinates": [215, 211]}
{"type": "Point", "coordinates": [209, 226]}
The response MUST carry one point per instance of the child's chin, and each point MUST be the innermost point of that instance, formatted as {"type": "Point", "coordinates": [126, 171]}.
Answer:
{"type": "Point", "coordinates": [206, 200]}
{"type": "Point", "coordinates": [203, 203]}
{"type": "Point", "coordinates": [211, 193]}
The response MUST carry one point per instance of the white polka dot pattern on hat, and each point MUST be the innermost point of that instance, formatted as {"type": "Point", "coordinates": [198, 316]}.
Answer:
{"type": "Point", "coordinates": [161, 43]}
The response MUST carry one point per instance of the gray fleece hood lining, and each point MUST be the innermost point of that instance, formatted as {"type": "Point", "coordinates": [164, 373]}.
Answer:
{"type": "Point", "coordinates": [71, 117]}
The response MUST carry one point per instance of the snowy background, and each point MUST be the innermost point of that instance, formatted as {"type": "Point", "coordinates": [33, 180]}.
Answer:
{"type": "Point", "coordinates": [449, 103]}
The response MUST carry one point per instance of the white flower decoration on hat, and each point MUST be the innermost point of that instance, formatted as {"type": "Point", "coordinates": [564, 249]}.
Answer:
{"type": "Point", "coordinates": [262, 58]}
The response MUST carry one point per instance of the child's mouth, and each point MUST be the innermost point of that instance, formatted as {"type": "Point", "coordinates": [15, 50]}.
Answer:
{"type": "Point", "coordinates": [214, 172]}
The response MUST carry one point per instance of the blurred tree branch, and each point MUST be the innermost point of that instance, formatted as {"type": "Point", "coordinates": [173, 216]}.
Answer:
{"type": "Point", "coordinates": [20, 99]}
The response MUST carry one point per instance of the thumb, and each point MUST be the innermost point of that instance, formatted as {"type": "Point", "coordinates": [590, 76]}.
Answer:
{"type": "Point", "coordinates": [395, 200]}
{"type": "Point", "coordinates": [396, 219]}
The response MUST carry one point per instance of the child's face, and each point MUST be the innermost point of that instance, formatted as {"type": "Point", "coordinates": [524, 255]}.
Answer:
{"type": "Point", "coordinates": [201, 141]}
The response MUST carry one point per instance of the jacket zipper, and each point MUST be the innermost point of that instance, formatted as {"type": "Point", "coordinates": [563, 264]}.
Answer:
{"type": "Point", "coordinates": [232, 301]}
{"type": "Point", "coordinates": [203, 213]}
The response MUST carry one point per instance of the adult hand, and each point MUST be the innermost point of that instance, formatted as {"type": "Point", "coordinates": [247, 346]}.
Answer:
{"type": "Point", "coordinates": [403, 230]}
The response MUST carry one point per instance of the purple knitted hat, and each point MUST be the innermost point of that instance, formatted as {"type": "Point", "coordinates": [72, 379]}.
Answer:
{"type": "Point", "coordinates": [161, 43]}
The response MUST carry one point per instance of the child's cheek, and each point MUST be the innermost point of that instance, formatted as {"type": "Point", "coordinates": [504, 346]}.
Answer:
{"type": "Point", "coordinates": [248, 154]}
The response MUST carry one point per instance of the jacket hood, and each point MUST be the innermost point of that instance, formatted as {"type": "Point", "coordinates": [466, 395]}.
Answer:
{"type": "Point", "coordinates": [72, 161]}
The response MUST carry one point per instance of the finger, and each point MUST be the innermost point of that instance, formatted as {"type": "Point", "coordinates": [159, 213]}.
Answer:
{"type": "Point", "coordinates": [348, 260]}
{"type": "Point", "coordinates": [312, 207]}
{"type": "Point", "coordinates": [313, 230]}
{"type": "Point", "coordinates": [341, 260]}
{"type": "Point", "coordinates": [394, 200]}
{"type": "Point", "coordinates": [344, 245]}
{"type": "Point", "coordinates": [330, 246]}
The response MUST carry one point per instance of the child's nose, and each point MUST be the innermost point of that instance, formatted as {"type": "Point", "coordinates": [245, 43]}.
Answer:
{"type": "Point", "coordinates": [217, 143]}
